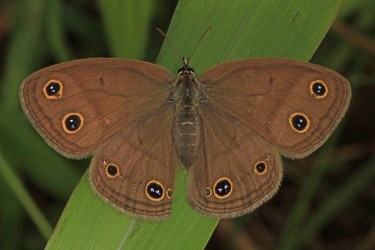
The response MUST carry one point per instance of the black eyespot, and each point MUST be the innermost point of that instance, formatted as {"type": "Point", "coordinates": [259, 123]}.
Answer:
{"type": "Point", "coordinates": [318, 89]}
{"type": "Point", "coordinates": [169, 193]}
{"type": "Point", "coordinates": [299, 122]}
{"type": "Point", "coordinates": [155, 190]}
{"type": "Point", "coordinates": [53, 89]}
{"type": "Point", "coordinates": [260, 167]}
{"type": "Point", "coordinates": [72, 122]}
{"type": "Point", "coordinates": [223, 188]}
{"type": "Point", "coordinates": [208, 192]}
{"type": "Point", "coordinates": [112, 170]}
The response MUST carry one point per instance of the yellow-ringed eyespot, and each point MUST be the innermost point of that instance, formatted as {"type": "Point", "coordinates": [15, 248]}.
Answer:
{"type": "Point", "coordinates": [299, 122]}
{"type": "Point", "coordinates": [154, 190]}
{"type": "Point", "coordinates": [112, 170]}
{"type": "Point", "coordinates": [260, 167]}
{"type": "Point", "coordinates": [53, 89]}
{"type": "Point", "coordinates": [318, 89]}
{"type": "Point", "coordinates": [223, 188]}
{"type": "Point", "coordinates": [72, 122]}
{"type": "Point", "coordinates": [169, 193]}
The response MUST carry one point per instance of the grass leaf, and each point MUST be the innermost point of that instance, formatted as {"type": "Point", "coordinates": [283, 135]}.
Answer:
{"type": "Point", "coordinates": [241, 29]}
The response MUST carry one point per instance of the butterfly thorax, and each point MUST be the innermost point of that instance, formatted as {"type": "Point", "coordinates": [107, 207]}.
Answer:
{"type": "Point", "coordinates": [187, 126]}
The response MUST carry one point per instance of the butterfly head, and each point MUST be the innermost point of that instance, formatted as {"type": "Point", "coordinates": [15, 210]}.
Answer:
{"type": "Point", "coordinates": [185, 70]}
{"type": "Point", "coordinates": [185, 67]}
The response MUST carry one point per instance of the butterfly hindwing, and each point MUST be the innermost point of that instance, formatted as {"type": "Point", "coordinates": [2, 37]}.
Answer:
{"type": "Point", "coordinates": [135, 170]}
{"type": "Point", "coordinates": [235, 172]}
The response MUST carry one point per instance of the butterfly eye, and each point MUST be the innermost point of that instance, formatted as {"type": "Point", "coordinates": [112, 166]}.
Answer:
{"type": "Point", "coordinates": [169, 193]}
{"type": "Point", "coordinates": [318, 89]}
{"type": "Point", "coordinates": [53, 89]}
{"type": "Point", "coordinates": [155, 190]}
{"type": "Point", "coordinates": [112, 170]}
{"type": "Point", "coordinates": [299, 122]}
{"type": "Point", "coordinates": [260, 167]}
{"type": "Point", "coordinates": [72, 122]}
{"type": "Point", "coordinates": [185, 71]}
{"type": "Point", "coordinates": [223, 188]}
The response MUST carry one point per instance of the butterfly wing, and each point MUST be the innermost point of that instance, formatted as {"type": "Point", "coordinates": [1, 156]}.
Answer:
{"type": "Point", "coordinates": [79, 105]}
{"type": "Point", "coordinates": [236, 171]}
{"type": "Point", "coordinates": [251, 110]}
{"type": "Point", "coordinates": [294, 106]}
{"type": "Point", "coordinates": [134, 171]}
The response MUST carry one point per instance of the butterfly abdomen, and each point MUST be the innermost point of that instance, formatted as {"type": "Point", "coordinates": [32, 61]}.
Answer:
{"type": "Point", "coordinates": [187, 137]}
{"type": "Point", "coordinates": [187, 126]}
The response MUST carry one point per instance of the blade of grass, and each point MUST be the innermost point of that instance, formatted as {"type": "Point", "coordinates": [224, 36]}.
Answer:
{"type": "Point", "coordinates": [337, 201]}
{"type": "Point", "coordinates": [20, 192]}
{"type": "Point", "coordinates": [11, 217]}
{"type": "Point", "coordinates": [50, 172]}
{"type": "Point", "coordinates": [293, 224]}
{"type": "Point", "coordinates": [241, 30]}
{"type": "Point", "coordinates": [127, 24]}
{"type": "Point", "coordinates": [55, 31]}
{"type": "Point", "coordinates": [22, 50]}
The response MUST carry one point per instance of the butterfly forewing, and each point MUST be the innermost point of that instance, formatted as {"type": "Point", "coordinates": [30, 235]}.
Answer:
{"type": "Point", "coordinates": [280, 100]}
{"type": "Point", "coordinates": [77, 106]}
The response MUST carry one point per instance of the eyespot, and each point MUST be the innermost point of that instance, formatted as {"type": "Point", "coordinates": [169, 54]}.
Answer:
{"type": "Point", "coordinates": [155, 190]}
{"type": "Point", "coordinates": [53, 89]}
{"type": "Point", "coordinates": [72, 122]}
{"type": "Point", "coordinates": [112, 170]}
{"type": "Point", "coordinates": [260, 167]}
{"type": "Point", "coordinates": [299, 122]}
{"type": "Point", "coordinates": [223, 188]}
{"type": "Point", "coordinates": [208, 192]}
{"type": "Point", "coordinates": [318, 89]}
{"type": "Point", "coordinates": [169, 193]}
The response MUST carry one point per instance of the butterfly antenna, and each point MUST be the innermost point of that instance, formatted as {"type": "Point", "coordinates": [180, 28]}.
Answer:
{"type": "Point", "coordinates": [199, 41]}
{"type": "Point", "coordinates": [169, 40]}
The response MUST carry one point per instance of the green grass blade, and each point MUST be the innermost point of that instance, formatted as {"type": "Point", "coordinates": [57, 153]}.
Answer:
{"type": "Point", "coordinates": [291, 230]}
{"type": "Point", "coordinates": [127, 24]}
{"type": "Point", "coordinates": [20, 58]}
{"type": "Point", "coordinates": [101, 227]}
{"type": "Point", "coordinates": [337, 200]}
{"type": "Point", "coordinates": [241, 29]}
{"type": "Point", "coordinates": [50, 172]}
{"type": "Point", "coordinates": [20, 192]}
{"type": "Point", "coordinates": [11, 217]}
{"type": "Point", "coordinates": [55, 31]}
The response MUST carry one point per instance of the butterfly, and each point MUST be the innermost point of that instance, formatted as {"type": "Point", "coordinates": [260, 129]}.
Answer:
{"type": "Point", "coordinates": [227, 127]}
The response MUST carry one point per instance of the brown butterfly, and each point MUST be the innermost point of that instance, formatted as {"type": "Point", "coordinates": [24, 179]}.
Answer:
{"type": "Point", "coordinates": [227, 127]}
